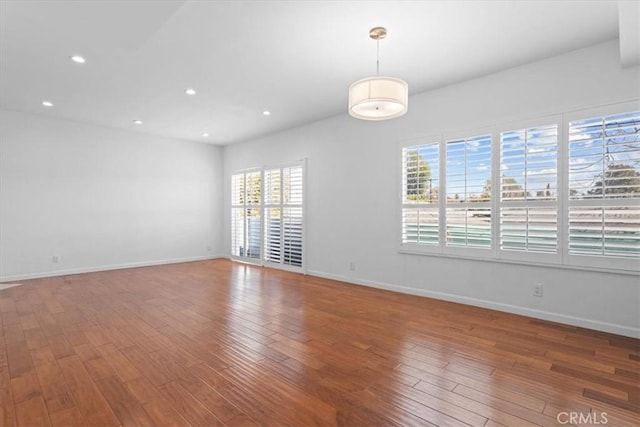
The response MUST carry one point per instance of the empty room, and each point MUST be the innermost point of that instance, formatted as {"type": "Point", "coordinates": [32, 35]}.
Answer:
{"type": "Point", "coordinates": [335, 213]}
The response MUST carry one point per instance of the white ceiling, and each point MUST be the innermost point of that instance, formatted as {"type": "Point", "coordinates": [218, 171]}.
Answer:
{"type": "Point", "coordinates": [294, 58]}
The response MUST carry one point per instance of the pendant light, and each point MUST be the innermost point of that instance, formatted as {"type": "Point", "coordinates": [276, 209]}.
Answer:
{"type": "Point", "coordinates": [378, 98]}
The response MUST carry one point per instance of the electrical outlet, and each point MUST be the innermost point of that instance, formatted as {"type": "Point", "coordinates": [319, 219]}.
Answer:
{"type": "Point", "coordinates": [537, 290]}
{"type": "Point", "coordinates": [55, 259]}
{"type": "Point", "coordinates": [352, 266]}
{"type": "Point", "coordinates": [208, 248]}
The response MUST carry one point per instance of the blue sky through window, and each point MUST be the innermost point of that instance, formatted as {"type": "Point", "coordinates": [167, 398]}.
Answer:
{"type": "Point", "coordinates": [468, 168]}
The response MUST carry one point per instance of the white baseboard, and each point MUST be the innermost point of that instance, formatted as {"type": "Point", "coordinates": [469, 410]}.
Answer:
{"type": "Point", "coordinates": [508, 308]}
{"type": "Point", "coordinates": [80, 270]}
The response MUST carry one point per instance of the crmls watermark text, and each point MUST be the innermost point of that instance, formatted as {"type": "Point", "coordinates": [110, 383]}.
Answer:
{"type": "Point", "coordinates": [582, 418]}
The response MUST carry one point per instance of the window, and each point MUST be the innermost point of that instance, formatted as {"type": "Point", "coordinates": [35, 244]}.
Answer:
{"type": "Point", "coordinates": [604, 186]}
{"type": "Point", "coordinates": [273, 215]}
{"type": "Point", "coordinates": [420, 189]}
{"type": "Point", "coordinates": [468, 203]}
{"type": "Point", "coordinates": [237, 215]}
{"type": "Point", "coordinates": [283, 216]}
{"type": "Point", "coordinates": [267, 216]}
{"type": "Point", "coordinates": [246, 214]}
{"type": "Point", "coordinates": [528, 189]}
{"type": "Point", "coordinates": [575, 206]}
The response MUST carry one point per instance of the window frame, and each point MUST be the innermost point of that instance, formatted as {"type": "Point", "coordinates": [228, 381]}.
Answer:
{"type": "Point", "coordinates": [262, 206]}
{"type": "Point", "coordinates": [416, 247]}
{"type": "Point", "coordinates": [244, 206]}
{"type": "Point", "coordinates": [465, 251]}
{"type": "Point", "coordinates": [589, 261]}
{"type": "Point", "coordinates": [530, 256]}
{"type": "Point", "coordinates": [562, 258]}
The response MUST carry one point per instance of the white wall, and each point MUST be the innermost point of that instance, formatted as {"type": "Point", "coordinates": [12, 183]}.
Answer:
{"type": "Point", "coordinates": [352, 192]}
{"type": "Point", "coordinates": [102, 198]}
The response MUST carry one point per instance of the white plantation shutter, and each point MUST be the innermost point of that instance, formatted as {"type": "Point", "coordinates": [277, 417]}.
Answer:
{"type": "Point", "coordinates": [529, 229]}
{"type": "Point", "coordinates": [272, 215]}
{"type": "Point", "coordinates": [246, 215]}
{"type": "Point", "coordinates": [604, 157]}
{"type": "Point", "coordinates": [273, 234]}
{"type": "Point", "coordinates": [528, 189]}
{"type": "Point", "coordinates": [283, 215]}
{"type": "Point", "coordinates": [253, 184]}
{"type": "Point", "coordinates": [468, 192]}
{"type": "Point", "coordinates": [253, 233]}
{"type": "Point", "coordinates": [605, 231]}
{"type": "Point", "coordinates": [237, 215]}
{"type": "Point", "coordinates": [292, 236]}
{"type": "Point", "coordinates": [292, 215]}
{"type": "Point", "coordinates": [578, 207]}
{"type": "Point", "coordinates": [237, 231]}
{"type": "Point", "coordinates": [253, 215]}
{"type": "Point", "coordinates": [420, 226]}
{"type": "Point", "coordinates": [292, 184]}
{"type": "Point", "coordinates": [272, 187]}
{"type": "Point", "coordinates": [237, 190]}
{"type": "Point", "coordinates": [420, 190]}
{"type": "Point", "coordinates": [267, 216]}
{"type": "Point", "coordinates": [604, 186]}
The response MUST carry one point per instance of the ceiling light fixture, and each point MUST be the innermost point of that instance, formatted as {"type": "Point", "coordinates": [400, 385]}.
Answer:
{"type": "Point", "coordinates": [204, 135]}
{"type": "Point", "coordinates": [190, 91]}
{"type": "Point", "coordinates": [266, 113]}
{"type": "Point", "coordinates": [378, 98]}
{"type": "Point", "coordinates": [137, 122]}
{"type": "Point", "coordinates": [47, 103]}
{"type": "Point", "coordinates": [78, 59]}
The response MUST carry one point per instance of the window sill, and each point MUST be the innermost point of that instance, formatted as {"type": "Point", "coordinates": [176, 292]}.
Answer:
{"type": "Point", "coordinates": [627, 272]}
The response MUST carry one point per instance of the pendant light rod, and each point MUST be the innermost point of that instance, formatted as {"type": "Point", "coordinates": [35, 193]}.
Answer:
{"type": "Point", "coordinates": [377, 57]}
{"type": "Point", "coordinates": [377, 34]}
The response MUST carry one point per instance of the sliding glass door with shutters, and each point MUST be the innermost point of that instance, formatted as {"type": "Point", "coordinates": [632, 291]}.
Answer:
{"type": "Point", "coordinates": [267, 212]}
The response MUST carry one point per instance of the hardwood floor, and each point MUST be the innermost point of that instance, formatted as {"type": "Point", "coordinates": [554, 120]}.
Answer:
{"type": "Point", "coordinates": [221, 343]}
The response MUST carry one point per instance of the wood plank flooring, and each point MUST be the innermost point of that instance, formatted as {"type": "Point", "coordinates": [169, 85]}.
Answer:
{"type": "Point", "coordinates": [217, 343]}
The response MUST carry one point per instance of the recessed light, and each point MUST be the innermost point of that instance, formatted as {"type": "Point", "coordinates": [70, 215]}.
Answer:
{"type": "Point", "coordinates": [205, 135]}
{"type": "Point", "coordinates": [266, 113]}
{"type": "Point", "coordinates": [47, 103]}
{"type": "Point", "coordinates": [137, 122]}
{"type": "Point", "coordinates": [78, 59]}
{"type": "Point", "coordinates": [190, 91]}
